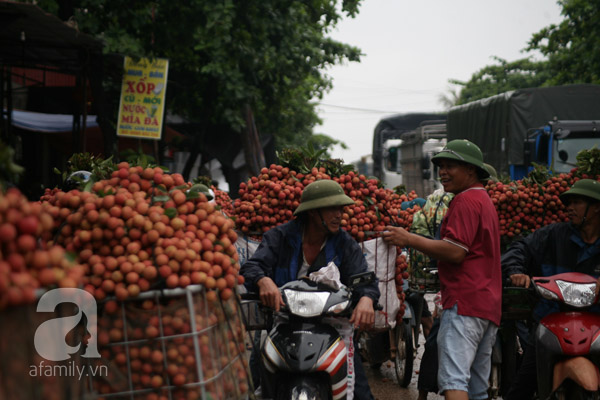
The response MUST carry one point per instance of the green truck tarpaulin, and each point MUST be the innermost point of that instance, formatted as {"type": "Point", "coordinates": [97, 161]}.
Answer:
{"type": "Point", "coordinates": [500, 124]}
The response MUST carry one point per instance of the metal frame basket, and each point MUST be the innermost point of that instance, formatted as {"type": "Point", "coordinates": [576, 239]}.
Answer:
{"type": "Point", "coordinates": [212, 364]}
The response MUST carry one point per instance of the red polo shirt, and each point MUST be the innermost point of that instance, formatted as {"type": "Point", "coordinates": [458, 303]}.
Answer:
{"type": "Point", "coordinates": [475, 284]}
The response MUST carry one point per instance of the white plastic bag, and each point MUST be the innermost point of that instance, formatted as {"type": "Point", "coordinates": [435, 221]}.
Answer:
{"type": "Point", "coordinates": [328, 275]}
{"type": "Point", "coordinates": [381, 258]}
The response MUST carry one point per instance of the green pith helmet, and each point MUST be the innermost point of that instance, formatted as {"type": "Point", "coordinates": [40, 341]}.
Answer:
{"type": "Point", "coordinates": [583, 187]}
{"type": "Point", "coordinates": [322, 193]}
{"type": "Point", "coordinates": [205, 189]}
{"type": "Point", "coordinates": [464, 151]}
{"type": "Point", "coordinates": [492, 171]}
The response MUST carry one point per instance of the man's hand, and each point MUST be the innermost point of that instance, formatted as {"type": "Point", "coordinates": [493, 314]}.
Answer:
{"type": "Point", "coordinates": [269, 293]}
{"type": "Point", "coordinates": [396, 236]}
{"type": "Point", "coordinates": [597, 286]}
{"type": "Point", "coordinates": [363, 315]}
{"type": "Point", "coordinates": [520, 280]}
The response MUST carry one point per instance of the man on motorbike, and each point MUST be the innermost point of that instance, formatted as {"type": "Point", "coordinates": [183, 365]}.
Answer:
{"type": "Point", "coordinates": [572, 246]}
{"type": "Point", "coordinates": [306, 244]}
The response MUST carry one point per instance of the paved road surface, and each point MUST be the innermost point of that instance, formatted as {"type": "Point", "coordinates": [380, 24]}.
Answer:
{"type": "Point", "coordinates": [384, 384]}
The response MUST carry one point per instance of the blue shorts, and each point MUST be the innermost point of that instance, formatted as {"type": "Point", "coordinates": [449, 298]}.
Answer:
{"type": "Point", "coordinates": [464, 353]}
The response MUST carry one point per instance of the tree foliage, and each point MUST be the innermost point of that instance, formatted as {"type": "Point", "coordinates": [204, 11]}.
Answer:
{"type": "Point", "coordinates": [500, 78]}
{"type": "Point", "coordinates": [571, 52]}
{"type": "Point", "coordinates": [225, 55]}
{"type": "Point", "coordinates": [573, 46]}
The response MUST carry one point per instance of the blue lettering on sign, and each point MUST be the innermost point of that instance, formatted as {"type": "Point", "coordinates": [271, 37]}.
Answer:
{"type": "Point", "coordinates": [134, 72]}
{"type": "Point", "coordinates": [156, 74]}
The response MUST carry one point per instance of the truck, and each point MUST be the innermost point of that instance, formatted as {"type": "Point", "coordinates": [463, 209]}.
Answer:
{"type": "Point", "coordinates": [403, 145]}
{"type": "Point", "coordinates": [416, 149]}
{"type": "Point", "coordinates": [546, 125]}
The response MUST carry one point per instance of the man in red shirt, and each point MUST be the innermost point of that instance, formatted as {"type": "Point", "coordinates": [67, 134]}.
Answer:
{"type": "Point", "coordinates": [468, 255]}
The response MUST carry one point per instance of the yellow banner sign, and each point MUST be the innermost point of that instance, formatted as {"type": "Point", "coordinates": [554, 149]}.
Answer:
{"type": "Point", "coordinates": [142, 105]}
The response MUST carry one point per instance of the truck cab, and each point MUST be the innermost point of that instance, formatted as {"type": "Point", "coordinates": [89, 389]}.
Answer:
{"type": "Point", "coordinates": [416, 150]}
{"type": "Point", "coordinates": [400, 143]}
{"type": "Point", "coordinates": [556, 145]}
{"type": "Point", "coordinates": [392, 166]}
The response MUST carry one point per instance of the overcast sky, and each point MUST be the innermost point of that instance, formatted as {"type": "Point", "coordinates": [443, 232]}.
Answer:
{"type": "Point", "coordinates": [411, 49]}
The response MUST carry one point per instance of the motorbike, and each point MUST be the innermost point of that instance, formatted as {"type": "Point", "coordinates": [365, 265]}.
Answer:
{"type": "Point", "coordinates": [568, 341]}
{"type": "Point", "coordinates": [303, 356]}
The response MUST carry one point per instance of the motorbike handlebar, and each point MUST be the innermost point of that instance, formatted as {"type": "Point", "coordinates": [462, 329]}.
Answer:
{"type": "Point", "coordinates": [250, 296]}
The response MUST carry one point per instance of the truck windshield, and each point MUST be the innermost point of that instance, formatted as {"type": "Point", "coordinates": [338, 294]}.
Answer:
{"type": "Point", "coordinates": [565, 152]}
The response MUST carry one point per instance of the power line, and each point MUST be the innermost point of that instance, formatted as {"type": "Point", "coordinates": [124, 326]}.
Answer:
{"type": "Point", "coordinates": [360, 109]}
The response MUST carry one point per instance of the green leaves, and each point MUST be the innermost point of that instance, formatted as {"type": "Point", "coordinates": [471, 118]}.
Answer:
{"type": "Point", "coordinates": [588, 162]}
{"type": "Point", "coordinates": [98, 167]}
{"type": "Point", "coordinates": [171, 212]}
{"type": "Point", "coordinates": [572, 47]}
{"type": "Point", "coordinates": [539, 174]}
{"type": "Point", "coordinates": [10, 172]}
{"type": "Point", "coordinates": [304, 159]}
{"type": "Point", "coordinates": [571, 50]}
{"type": "Point", "coordinates": [138, 158]}
{"type": "Point", "coordinates": [500, 78]}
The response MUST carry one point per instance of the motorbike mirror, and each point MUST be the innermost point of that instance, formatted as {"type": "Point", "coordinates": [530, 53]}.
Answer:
{"type": "Point", "coordinates": [362, 279]}
{"type": "Point", "coordinates": [563, 155]}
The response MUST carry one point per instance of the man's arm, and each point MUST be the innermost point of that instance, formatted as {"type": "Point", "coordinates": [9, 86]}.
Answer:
{"type": "Point", "coordinates": [354, 262]}
{"type": "Point", "coordinates": [520, 258]}
{"type": "Point", "coordinates": [438, 249]}
{"type": "Point", "coordinates": [270, 295]}
{"type": "Point", "coordinates": [363, 315]}
{"type": "Point", "coordinates": [258, 270]}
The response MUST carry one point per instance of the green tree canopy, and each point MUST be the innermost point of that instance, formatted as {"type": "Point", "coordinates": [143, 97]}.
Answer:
{"type": "Point", "coordinates": [571, 52]}
{"type": "Point", "coordinates": [500, 78]}
{"type": "Point", "coordinates": [227, 55]}
{"type": "Point", "coordinates": [573, 46]}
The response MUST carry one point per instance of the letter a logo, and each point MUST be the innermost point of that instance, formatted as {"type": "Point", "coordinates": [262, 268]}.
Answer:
{"type": "Point", "coordinates": [50, 336]}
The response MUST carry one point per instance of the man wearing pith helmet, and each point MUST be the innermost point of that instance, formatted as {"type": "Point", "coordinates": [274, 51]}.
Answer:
{"type": "Point", "coordinates": [550, 250]}
{"type": "Point", "coordinates": [468, 254]}
{"type": "Point", "coordinates": [306, 244]}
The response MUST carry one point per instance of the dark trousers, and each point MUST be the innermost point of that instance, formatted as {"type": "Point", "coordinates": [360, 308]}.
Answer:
{"type": "Point", "coordinates": [362, 390]}
{"type": "Point", "coordinates": [524, 385]}
{"type": "Point", "coordinates": [429, 363]}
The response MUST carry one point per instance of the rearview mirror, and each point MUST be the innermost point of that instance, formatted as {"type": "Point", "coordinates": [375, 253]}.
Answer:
{"type": "Point", "coordinates": [563, 155]}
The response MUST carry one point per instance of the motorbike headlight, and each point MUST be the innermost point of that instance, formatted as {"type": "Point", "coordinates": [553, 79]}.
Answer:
{"type": "Point", "coordinates": [577, 294]}
{"type": "Point", "coordinates": [306, 304]}
{"type": "Point", "coordinates": [339, 307]}
{"type": "Point", "coordinates": [546, 294]}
